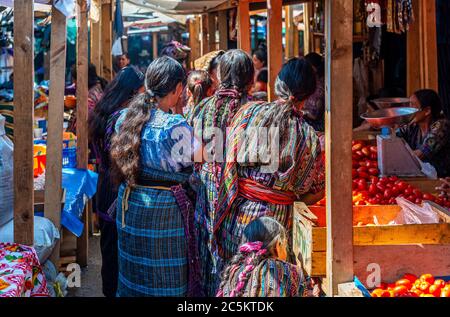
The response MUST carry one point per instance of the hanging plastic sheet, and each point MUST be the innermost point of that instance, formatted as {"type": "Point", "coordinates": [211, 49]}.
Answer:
{"type": "Point", "coordinates": [80, 185]}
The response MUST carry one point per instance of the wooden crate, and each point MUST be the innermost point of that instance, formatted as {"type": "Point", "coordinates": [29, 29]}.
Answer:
{"type": "Point", "coordinates": [410, 248]}
{"type": "Point", "coordinates": [39, 200]}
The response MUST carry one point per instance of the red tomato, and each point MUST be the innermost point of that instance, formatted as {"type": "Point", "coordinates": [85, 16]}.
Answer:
{"type": "Point", "coordinates": [405, 282]}
{"type": "Point", "coordinates": [418, 201]}
{"type": "Point", "coordinates": [395, 190]}
{"type": "Point", "coordinates": [400, 290]}
{"type": "Point", "coordinates": [362, 169]}
{"type": "Point", "coordinates": [416, 291]}
{"type": "Point", "coordinates": [364, 175]}
{"type": "Point", "coordinates": [373, 149]}
{"type": "Point", "coordinates": [418, 193]}
{"type": "Point", "coordinates": [445, 292]}
{"type": "Point", "coordinates": [408, 191]}
{"type": "Point", "coordinates": [435, 290]}
{"type": "Point", "coordinates": [424, 286]}
{"type": "Point", "coordinates": [381, 187]}
{"type": "Point", "coordinates": [427, 278]}
{"type": "Point", "coordinates": [384, 180]}
{"type": "Point", "coordinates": [373, 156]}
{"type": "Point", "coordinates": [411, 198]}
{"type": "Point", "coordinates": [392, 201]}
{"type": "Point", "coordinates": [357, 147]}
{"type": "Point", "coordinates": [409, 294]}
{"type": "Point", "coordinates": [373, 189]}
{"type": "Point", "coordinates": [393, 178]}
{"type": "Point", "coordinates": [387, 194]}
{"type": "Point", "coordinates": [411, 277]}
{"type": "Point", "coordinates": [360, 154]}
{"type": "Point", "coordinates": [429, 197]}
{"type": "Point", "coordinates": [402, 185]}
{"type": "Point", "coordinates": [374, 180]}
{"type": "Point", "coordinates": [354, 173]}
{"type": "Point", "coordinates": [360, 203]}
{"type": "Point", "coordinates": [374, 201]}
{"type": "Point", "coordinates": [378, 292]}
{"type": "Point", "coordinates": [440, 283]}
{"type": "Point", "coordinates": [373, 171]}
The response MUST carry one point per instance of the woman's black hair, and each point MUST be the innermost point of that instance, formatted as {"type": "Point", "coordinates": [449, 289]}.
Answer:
{"type": "Point", "coordinates": [162, 77]}
{"type": "Point", "coordinates": [236, 70]}
{"type": "Point", "coordinates": [261, 54]}
{"type": "Point", "coordinates": [115, 97]}
{"type": "Point", "coordinates": [430, 98]}
{"type": "Point", "coordinates": [93, 78]}
{"type": "Point", "coordinates": [296, 80]}
{"type": "Point", "coordinates": [263, 75]}
{"type": "Point", "coordinates": [318, 62]}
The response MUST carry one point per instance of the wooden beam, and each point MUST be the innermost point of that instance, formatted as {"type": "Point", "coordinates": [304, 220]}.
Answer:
{"type": "Point", "coordinates": [291, 32]}
{"type": "Point", "coordinates": [422, 64]}
{"type": "Point", "coordinates": [223, 30]}
{"type": "Point", "coordinates": [96, 44]}
{"type": "Point", "coordinates": [274, 43]}
{"type": "Point", "coordinates": [338, 133]}
{"type": "Point", "coordinates": [204, 42]}
{"type": "Point", "coordinates": [106, 40]}
{"type": "Point", "coordinates": [194, 41]}
{"type": "Point", "coordinates": [82, 115]}
{"type": "Point", "coordinates": [23, 121]}
{"type": "Point", "coordinates": [243, 16]}
{"type": "Point", "coordinates": [212, 28]}
{"type": "Point", "coordinates": [155, 44]}
{"type": "Point", "coordinates": [307, 12]}
{"type": "Point", "coordinates": [53, 170]}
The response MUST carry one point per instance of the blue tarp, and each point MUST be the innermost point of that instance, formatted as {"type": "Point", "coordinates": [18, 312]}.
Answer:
{"type": "Point", "coordinates": [78, 183]}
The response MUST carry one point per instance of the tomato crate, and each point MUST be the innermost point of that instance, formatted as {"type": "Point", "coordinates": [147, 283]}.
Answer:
{"type": "Point", "coordinates": [397, 249]}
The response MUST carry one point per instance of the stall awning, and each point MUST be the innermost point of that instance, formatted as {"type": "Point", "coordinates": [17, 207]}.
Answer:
{"type": "Point", "coordinates": [40, 5]}
{"type": "Point", "coordinates": [178, 6]}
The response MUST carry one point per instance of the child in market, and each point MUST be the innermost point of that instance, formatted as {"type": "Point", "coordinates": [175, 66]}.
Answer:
{"type": "Point", "coordinates": [199, 87]}
{"type": "Point", "coordinates": [259, 269]}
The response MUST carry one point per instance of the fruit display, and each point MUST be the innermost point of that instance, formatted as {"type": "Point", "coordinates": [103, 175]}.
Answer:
{"type": "Point", "coordinates": [370, 189]}
{"type": "Point", "coordinates": [412, 286]}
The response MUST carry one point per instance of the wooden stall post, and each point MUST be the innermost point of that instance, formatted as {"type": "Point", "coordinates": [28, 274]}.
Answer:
{"type": "Point", "coordinates": [291, 31]}
{"type": "Point", "coordinates": [243, 16]}
{"type": "Point", "coordinates": [194, 40]}
{"type": "Point", "coordinates": [274, 42]}
{"type": "Point", "coordinates": [212, 31]}
{"type": "Point", "coordinates": [106, 39]}
{"type": "Point", "coordinates": [23, 121]}
{"type": "Point", "coordinates": [307, 10]}
{"type": "Point", "coordinates": [155, 44]}
{"type": "Point", "coordinates": [82, 117]}
{"type": "Point", "coordinates": [96, 43]}
{"type": "Point", "coordinates": [223, 29]}
{"type": "Point", "coordinates": [204, 43]}
{"type": "Point", "coordinates": [53, 170]}
{"type": "Point", "coordinates": [338, 131]}
{"type": "Point", "coordinates": [422, 61]}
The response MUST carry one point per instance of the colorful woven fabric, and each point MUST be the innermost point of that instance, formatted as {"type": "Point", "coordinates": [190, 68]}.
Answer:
{"type": "Point", "coordinates": [300, 170]}
{"type": "Point", "coordinates": [270, 278]}
{"type": "Point", "coordinates": [214, 112]}
{"type": "Point", "coordinates": [20, 272]}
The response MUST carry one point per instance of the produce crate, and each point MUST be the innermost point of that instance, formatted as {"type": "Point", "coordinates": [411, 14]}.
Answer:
{"type": "Point", "coordinates": [407, 248]}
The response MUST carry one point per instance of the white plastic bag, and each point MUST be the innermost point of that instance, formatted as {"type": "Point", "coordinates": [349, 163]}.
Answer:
{"type": "Point", "coordinates": [6, 176]}
{"type": "Point", "coordinates": [415, 214]}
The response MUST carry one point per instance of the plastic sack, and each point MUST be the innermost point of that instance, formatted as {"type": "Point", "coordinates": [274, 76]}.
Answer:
{"type": "Point", "coordinates": [45, 236]}
{"type": "Point", "coordinates": [415, 214]}
{"type": "Point", "coordinates": [6, 175]}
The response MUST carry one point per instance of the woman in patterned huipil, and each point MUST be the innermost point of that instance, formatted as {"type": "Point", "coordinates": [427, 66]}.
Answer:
{"type": "Point", "coordinates": [257, 185]}
{"type": "Point", "coordinates": [235, 73]}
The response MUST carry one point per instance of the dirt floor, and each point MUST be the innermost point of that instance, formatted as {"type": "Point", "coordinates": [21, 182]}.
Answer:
{"type": "Point", "coordinates": [91, 280]}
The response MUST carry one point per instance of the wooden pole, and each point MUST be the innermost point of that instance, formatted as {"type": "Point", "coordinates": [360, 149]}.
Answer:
{"type": "Point", "coordinates": [430, 45]}
{"type": "Point", "coordinates": [106, 39]}
{"type": "Point", "coordinates": [204, 43]}
{"type": "Point", "coordinates": [96, 44]}
{"type": "Point", "coordinates": [290, 31]}
{"type": "Point", "coordinates": [275, 44]}
{"type": "Point", "coordinates": [53, 169]}
{"type": "Point", "coordinates": [23, 121]}
{"type": "Point", "coordinates": [212, 31]}
{"type": "Point", "coordinates": [243, 16]}
{"type": "Point", "coordinates": [338, 133]}
{"type": "Point", "coordinates": [307, 11]}
{"type": "Point", "coordinates": [155, 44]}
{"type": "Point", "coordinates": [82, 115]}
{"type": "Point", "coordinates": [223, 30]}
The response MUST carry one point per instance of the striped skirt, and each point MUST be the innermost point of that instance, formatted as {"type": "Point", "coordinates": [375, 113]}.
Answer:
{"type": "Point", "coordinates": [152, 245]}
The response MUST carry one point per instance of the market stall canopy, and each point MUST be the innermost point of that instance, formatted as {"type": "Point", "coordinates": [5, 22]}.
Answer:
{"type": "Point", "coordinates": [40, 5]}
{"type": "Point", "coordinates": [177, 6]}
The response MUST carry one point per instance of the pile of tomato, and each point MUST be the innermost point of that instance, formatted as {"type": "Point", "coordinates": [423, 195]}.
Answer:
{"type": "Point", "coordinates": [369, 189]}
{"type": "Point", "coordinates": [412, 286]}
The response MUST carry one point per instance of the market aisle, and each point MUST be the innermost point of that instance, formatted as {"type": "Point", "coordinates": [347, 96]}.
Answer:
{"type": "Point", "coordinates": [91, 280]}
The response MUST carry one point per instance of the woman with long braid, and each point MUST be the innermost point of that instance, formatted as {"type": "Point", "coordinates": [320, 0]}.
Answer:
{"type": "Point", "coordinates": [155, 218]}
{"type": "Point", "coordinates": [286, 165]}
{"type": "Point", "coordinates": [210, 120]}
{"type": "Point", "coordinates": [259, 269]}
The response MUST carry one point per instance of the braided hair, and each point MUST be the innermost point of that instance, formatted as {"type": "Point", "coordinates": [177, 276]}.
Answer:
{"type": "Point", "coordinates": [162, 77]}
{"type": "Point", "coordinates": [258, 243]}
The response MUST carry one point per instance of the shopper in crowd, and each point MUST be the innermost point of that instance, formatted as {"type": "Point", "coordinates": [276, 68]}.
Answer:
{"type": "Point", "coordinates": [157, 250]}
{"type": "Point", "coordinates": [266, 180]}
{"type": "Point", "coordinates": [177, 51]}
{"type": "Point", "coordinates": [260, 267]}
{"type": "Point", "coordinates": [235, 73]}
{"type": "Point", "coordinates": [199, 87]}
{"type": "Point", "coordinates": [259, 91]}
{"type": "Point", "coordinates": [428, 134]}
{"type": "Point", "coordinates": [117, 95]}
{"type": "Point", "coordinates": [259, 57]}
{"type": "Point", "coordinates": [210, 63]}
{"type": "Point", "coordinates": [314, 109]}
{"type": "Point", "coordinates": [123, 61]}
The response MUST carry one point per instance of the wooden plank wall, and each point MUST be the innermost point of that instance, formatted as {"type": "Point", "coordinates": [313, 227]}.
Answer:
{"type": "Point", "coordinates": [82, 117]}
{"type": "Point", "coordinates": [53, 170]}
{"type": "Point", "coordinates": [23, 121]}
{"type": "Point", "coordinates": [338, 132]}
